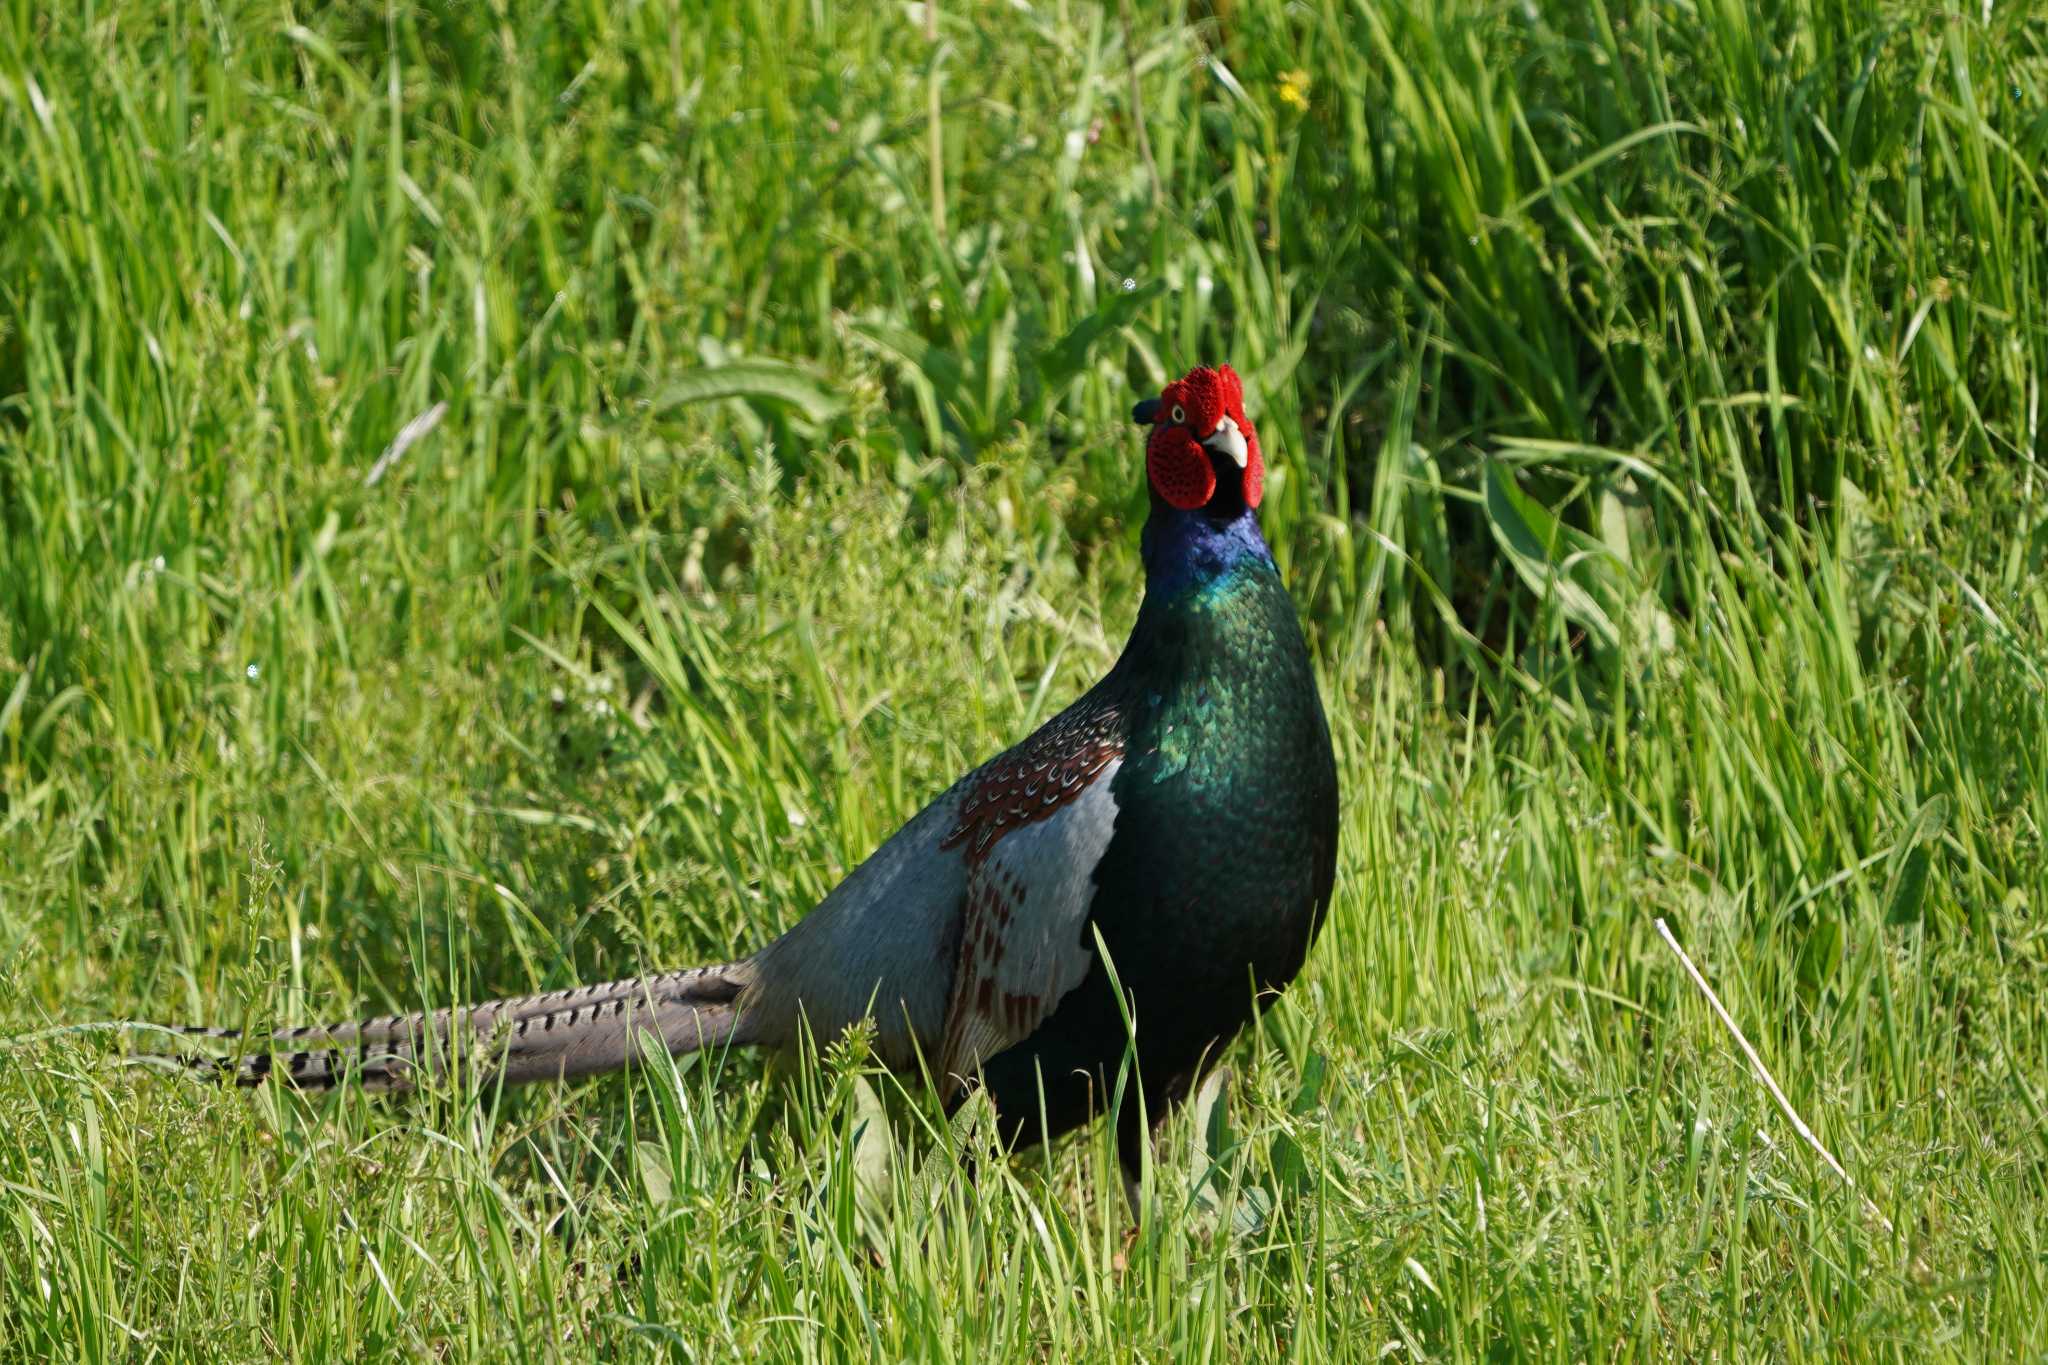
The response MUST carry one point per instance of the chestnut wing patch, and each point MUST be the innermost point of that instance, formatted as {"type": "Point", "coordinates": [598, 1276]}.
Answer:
{"type": "Point", "coordinates": [1036, 778]}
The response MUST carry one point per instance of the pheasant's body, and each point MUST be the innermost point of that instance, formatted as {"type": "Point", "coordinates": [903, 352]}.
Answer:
{"type": "Point", "coordinates": [1184, 809]}
{"type": "Point", "coordinates": [1217, 876]}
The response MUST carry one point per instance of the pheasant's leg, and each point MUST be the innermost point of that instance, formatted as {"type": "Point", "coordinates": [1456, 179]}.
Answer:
{"type": "Point", "coordinates": [1135, 1137]}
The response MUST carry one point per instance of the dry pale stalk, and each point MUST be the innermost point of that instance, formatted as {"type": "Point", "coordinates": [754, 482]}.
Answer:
{"type": "Point", "coordinates": [1798, 1123]}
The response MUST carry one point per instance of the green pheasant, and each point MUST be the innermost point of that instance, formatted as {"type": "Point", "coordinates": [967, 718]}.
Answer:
{"type": "Point", "coordinates": [1184, 810]}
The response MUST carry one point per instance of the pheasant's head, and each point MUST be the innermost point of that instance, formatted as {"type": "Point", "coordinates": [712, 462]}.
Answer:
{"type": "Point", "coordinates": [1203, 454]}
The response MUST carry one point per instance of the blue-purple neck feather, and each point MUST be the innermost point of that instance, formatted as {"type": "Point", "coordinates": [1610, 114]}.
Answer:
{"type": "Point", "coordinates": [1184, 550]}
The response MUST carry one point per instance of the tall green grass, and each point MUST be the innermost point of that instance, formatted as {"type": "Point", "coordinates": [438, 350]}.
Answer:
{"type": "Point", "coordinates": [1655, 395]}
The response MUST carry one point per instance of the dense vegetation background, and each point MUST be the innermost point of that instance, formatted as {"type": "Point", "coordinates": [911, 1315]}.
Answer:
{"type": "Point", "coordinates": [498, 495]}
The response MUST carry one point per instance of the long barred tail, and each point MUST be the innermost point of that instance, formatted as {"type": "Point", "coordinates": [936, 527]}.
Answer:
{"type": "Point", "coordinates": [559, 1035]}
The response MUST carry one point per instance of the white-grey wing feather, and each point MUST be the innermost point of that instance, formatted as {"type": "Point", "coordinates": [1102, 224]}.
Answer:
{"type": "Point", "coordinates": [1023, 941]}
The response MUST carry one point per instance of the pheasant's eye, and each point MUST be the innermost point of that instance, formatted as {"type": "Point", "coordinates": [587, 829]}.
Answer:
{"type": "Point", "coordinates": [1180, 414]}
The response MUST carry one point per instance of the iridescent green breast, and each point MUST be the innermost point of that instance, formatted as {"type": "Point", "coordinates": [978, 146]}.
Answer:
{"type": "Point", "coordinates": [1226, 837]}
{"type": "Point", "coordinates": [1217, 876]}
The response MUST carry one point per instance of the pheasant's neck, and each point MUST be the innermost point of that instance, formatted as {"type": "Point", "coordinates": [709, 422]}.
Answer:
{"type": "Point", "coordinates": [1216, 659]}
{"type": "Point", "coordinates": [1186, 551]}
{"type": "Point", "coordinates": [1214, 606]}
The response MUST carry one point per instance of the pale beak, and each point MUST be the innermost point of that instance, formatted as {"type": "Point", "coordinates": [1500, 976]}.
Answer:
{"type": "Point", "coordinates": [1228, 440]}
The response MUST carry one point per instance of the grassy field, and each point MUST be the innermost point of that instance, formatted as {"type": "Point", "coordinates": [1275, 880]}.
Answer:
{"type": "Point", "coordinates": [1655, 390]}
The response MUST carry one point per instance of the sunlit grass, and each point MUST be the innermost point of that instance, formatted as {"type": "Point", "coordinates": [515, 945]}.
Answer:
{"type": "Point", "coordinates": [1655, 397]}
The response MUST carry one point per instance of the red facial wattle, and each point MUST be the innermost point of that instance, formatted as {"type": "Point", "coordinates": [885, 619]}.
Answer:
{"type": "Point", "coordinates": [1191, 410]}
{"type": "Point", "coordinates": [1179, 468]}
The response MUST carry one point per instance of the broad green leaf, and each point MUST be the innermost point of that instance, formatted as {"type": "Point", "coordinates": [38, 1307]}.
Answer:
{"type": "Point", "coordinates": [773, 380]}
{"type": "Point", "coordinates": [874, 1152]}
{"type": "Point", "coordinates": [1912, 857]}
{"type": "Point", "coordinates": [1552, 558]}
{"type": "Point", "coordinates": [652, 1160]}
